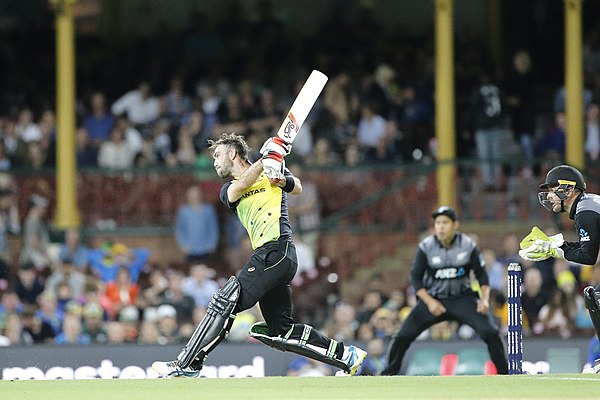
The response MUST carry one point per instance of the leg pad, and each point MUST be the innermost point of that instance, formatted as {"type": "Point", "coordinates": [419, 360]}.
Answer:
{"type": "Point", "coordinates": [213, 328]}
{"type": "Point", "coordinates": [260, 331]}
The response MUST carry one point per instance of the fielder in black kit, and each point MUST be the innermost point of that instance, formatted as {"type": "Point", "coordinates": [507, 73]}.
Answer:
{"type": "Point", "coordinates": [441, 278]}
{"type": "Point", "coordinates": [564, 191]}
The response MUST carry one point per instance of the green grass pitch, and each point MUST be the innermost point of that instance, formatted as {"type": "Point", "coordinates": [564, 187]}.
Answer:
{"type": "Point", "coordinates": [572, 386]}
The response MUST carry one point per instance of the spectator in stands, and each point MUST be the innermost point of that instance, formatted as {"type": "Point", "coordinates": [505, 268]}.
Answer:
{"type": "Point", "coordinates": [495, 269]}
{"type": "Point", "coordinates": [307, 262]}
{"type": "Point", "coordinates": [49, 312]}
{"type": "Point", "coordinates": [116, 332]}
{"type": "Point", "coordinates": [371, 131]}
{"type": "Point", "coordinates": [342, 325]}
{"type": "Point", "coordinates": [372, 301]}
{"type": "Point", "coordinates": [197, 227]}
{"type": "Point", "coordinates": [5, 162]}
{"type": "Point", "coordinates": [73, 249]}
{"type": "Point", "coordinates": [93, 323]}
{"type": "Point", "coordinates": [149, 333]}
{"type": "Point", "coordinates": [72, 332]}
{"type": "Point", "coordinates": [9, 224]}
{"type": "Point", "coordinates": [26, 128]}
{"type": "Point", "coordinates": [105, 262]}
{"type": "Point", "coordinates": [152, 293]}
{"type": "Point", "coordinates": [551, 145]}
{"type": "Point", "coordinates": [592, 132]}
{"type": "Point", "coordinates": [174, 295]}
{"type": "Point", "coordinates": [139, 105]}
{"type": "Point", "coordinates": [98, 123]}
{"type": "Point", "coordinates": [199, 284]}
{"type": "Point", "coordinates": [86, 155]}
{"type": "Point", "coordinates": [41, 332]}
{"type": "Point", "coordinates": [121, 292]}
{"type": "Point", "coordinates": [10, 304]}
{"type": "Point", "coordinates": [532, 298]}
{"type": "Point", "coordinates": [64, 271]}
{"type": "Point", "coordinates": [133, 135]}
{"type": "Point", "coordinates": [129, 317]}
{"type": "Point", "coordinates": [510, 250]}
{"type": "Point", "coordinates": [567, 282]}
{"type": "Point", "coordinates": [341, 102]}
{"type": "Point", "coordinates": [13, 330]}
{"type": "Point", "coordinates": [28, 285]}
{"type": "Point", "coordinates": [64, 296]}
{"type": "Point", "coordinates": [486, 123]}
{"type": "Point", "coordinates": [414, 122]}
{"type": "Point", "coordinates": [116, 153]}
{"type": "Point", "coordinates": [555, 317]}
{"type": "Point", "coordinates": [382, 321]}
{"type": "Point", "coordinates": [36, 235]}
{"type": "Point", "coordinates": [179, 104]}
{"type": "Point", "coordinates": [95, 293]}
{"type": "Point", "coordinates": [560, 99]}
{"type": "Point", "coordinates": [521, 103]}
{"type": "Point", "coordinates": [305, 210]}
{"type": "Point", "coordinates": [323, 155]}
{"type": "Point", "coordinates": [167, 324]}
{"type": "Point", "coordinates": [185, 154]}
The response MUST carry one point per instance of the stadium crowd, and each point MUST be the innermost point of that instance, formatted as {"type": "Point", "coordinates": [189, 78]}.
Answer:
{"type": "Point", "coordinates": [376, 108]}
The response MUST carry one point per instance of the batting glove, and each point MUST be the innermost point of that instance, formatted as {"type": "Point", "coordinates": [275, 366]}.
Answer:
{"type": "Point", "coordinates": [273, 165]}
{"type": "Point", "coordinates": [277, 145]}
{"type": "Point", "coordinates": [542, 249]}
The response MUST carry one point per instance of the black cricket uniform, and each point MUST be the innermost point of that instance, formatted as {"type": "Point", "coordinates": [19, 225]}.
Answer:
{"type": "Point", "coordinates": [266, 277]}
{"type": "Point", "coordinates": [586, 214]}
{"type": "Point", "coordinates": [445, 274]}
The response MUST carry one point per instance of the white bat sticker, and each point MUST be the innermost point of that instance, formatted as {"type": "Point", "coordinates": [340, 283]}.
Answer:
{"type": "Point", "coordinates": [302, 105]}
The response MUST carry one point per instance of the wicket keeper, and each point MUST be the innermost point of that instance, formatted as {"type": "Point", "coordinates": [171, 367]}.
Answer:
{"type": "Point", "coordinates": [564, 191]}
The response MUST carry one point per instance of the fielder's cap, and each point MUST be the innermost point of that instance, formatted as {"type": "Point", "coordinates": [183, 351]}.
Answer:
{"type": "Point", "coordinates": [445, 210]}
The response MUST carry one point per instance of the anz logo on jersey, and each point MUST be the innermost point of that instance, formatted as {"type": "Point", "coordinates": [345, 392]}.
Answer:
{"type": "Point", "coordinates": [584, 236]}
{"type": "Point", "coordinates": [449, 273]}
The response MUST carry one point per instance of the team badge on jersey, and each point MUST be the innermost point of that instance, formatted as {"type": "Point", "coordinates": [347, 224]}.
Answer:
{"type": "Point", "coordinates": [584, 236]}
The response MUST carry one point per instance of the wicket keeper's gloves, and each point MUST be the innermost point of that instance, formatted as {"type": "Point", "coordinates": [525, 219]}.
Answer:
{"type": "Point", "coordinates": [273, 165]}
{"type": "Point", "coordinates": [537, 246]}
{"type": "Point", "coordinates": [277, 145]}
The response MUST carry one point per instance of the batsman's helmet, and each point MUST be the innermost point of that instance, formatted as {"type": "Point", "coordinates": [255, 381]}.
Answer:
{"type": "Point", "coordinates": [564, 175]}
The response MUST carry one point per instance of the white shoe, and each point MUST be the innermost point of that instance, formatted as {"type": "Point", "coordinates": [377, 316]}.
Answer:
{"type": "Point", "coordinates": [171, 369]}
{"type": "Point", "coordinates": [353, 359]}
{"type": "Point", "coordinates": [594, 369]}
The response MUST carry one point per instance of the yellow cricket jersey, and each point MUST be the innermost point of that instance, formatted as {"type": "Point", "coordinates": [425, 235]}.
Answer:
{"type": "Point", "coordinates": [262, 210]}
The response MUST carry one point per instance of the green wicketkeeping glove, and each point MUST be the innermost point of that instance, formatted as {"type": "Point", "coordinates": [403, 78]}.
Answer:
{"type": "Point", "coordinates": [537, 246]}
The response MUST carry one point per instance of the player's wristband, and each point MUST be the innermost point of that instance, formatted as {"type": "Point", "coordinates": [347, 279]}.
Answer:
{"type": "Point", "coordinates": [290, 184]}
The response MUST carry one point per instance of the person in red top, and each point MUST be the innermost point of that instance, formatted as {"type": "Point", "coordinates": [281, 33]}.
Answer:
{"type": "Point", "coordinates": [122, 292]}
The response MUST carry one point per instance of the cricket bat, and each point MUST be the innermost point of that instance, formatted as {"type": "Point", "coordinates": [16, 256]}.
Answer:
{"type": "Point", "coordinates": [302, 105]}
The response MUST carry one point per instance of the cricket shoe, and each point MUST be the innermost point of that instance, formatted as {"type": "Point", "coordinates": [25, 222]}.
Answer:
{"type": "Point", "coordinates": [171, 369]}
{"type": "Point", "coordinates": [593, 369]}
{"type": "Point", "coordinates": [353, 358]}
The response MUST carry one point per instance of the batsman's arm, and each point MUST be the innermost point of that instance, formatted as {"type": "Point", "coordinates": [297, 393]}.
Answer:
{"type": "Point", "coordinates": [240, 185]}
{"type": "Point", "coordinates": [290, 184]}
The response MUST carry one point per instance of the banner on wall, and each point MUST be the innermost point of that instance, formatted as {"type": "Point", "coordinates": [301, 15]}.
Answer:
{"type": "Point", "coordinates": [235, 360]}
